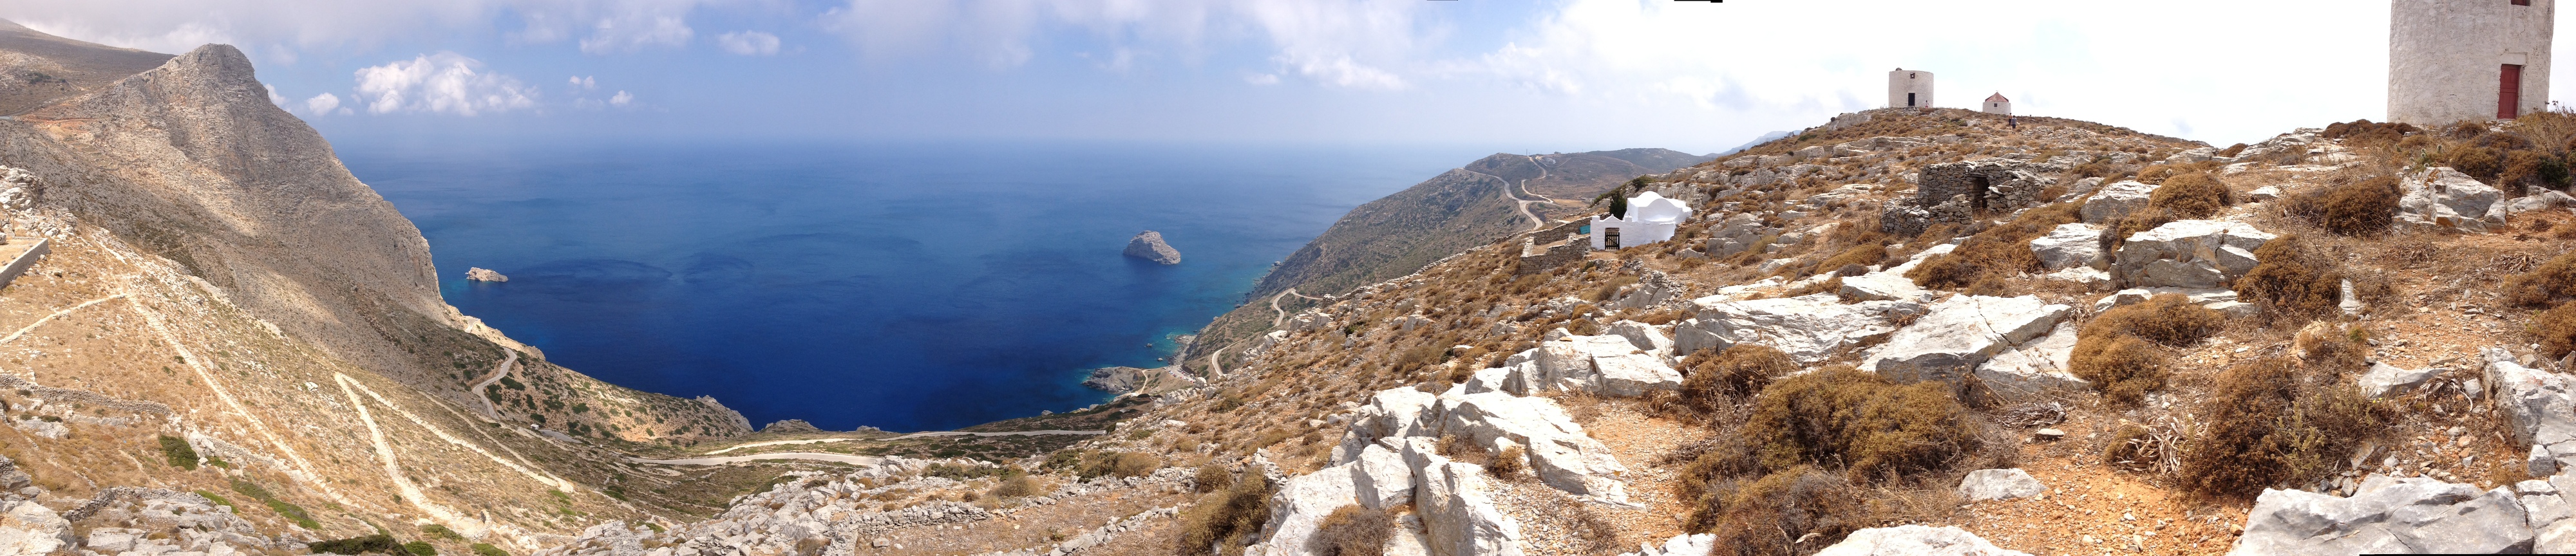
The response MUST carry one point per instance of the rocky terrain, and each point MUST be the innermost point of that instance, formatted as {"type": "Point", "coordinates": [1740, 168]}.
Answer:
{"type": "Point", "coordinates": [1149, 245]}
{"type": "Point", "coordinates": [1900, 332]}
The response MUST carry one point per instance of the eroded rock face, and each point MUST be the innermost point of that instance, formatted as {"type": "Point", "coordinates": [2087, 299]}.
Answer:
{"type": "Point", "coordinates": [1632, 360]}
{"type": "Point", "coordinates": [2445, 198]}
{"type": "Point", "coordinates": [31, 528]}
{"type": "Point", "coordinates": [1915, 540]}
{"type": "Point", "coordinates": [1149, 246]}
{"type": "Point", "coordinates": [2036, 365]}
{"type": "Point", "coordinates": [2410, 515]}
{"type": "Point", "coordinates": [1961, 334]}
{"type": "Point", "coordinates": [1808, 328]}
{"type": "Point", "coordinates": [1456, 513]}
{"type": "Point", "coordinates": [1559, 452]}
{"type": "Point", "coordinates": [2189, 254]}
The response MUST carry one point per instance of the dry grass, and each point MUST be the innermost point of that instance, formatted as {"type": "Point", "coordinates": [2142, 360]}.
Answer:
{"type": "Point", "coordinates": [1875, 429]}
{"type": "Point", "coordinates": [2191, 195]}
{"type": "Point", "coordinates": [2556, 329]}
{"type": "Point", "coordinates": [2292, 281]}
{"type": "Point", "coordinates": [2269, 425]}
{"type": "Point", "coordinates": [1353, 531]}
{"type": "Point", "coordinates": [2118, 351]}
{"type": "Point", "coordinates": [1723, 378]}
{"type": "Point", "coordinates": [2357, 208]}
{"type": "Point", "coordinates": [2548, 284]}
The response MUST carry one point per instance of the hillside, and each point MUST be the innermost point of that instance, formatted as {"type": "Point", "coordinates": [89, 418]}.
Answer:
{"type": "Point", "coordinates": [1899, 331]}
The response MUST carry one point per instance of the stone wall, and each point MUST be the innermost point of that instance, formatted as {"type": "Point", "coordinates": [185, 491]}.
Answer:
{"type": "Point", "coordinates": [1956, 192]}
{"type": "Point", "coordinates": [1537, 258]}
{"type": "Point", "coordinates": [2445, 57]}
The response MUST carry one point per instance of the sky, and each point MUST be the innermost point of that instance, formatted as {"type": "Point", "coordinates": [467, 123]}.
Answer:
{"type": "Point", "coordinates": [1520, 75]}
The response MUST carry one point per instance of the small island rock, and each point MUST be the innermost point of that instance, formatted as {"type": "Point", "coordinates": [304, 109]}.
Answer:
{"type": "Point", "coordinates": [1118, 380]}
{"type": "Point", "coordinates": [1149, 246]}
{"type": "Point", "coordinates": [480, 274]}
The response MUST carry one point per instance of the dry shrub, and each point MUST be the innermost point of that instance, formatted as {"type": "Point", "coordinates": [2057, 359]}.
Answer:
{"type": "Point", "coordinates": [2268, 426]}
{"type": "Point", "coordinates": [1720, 378]}
{"type": "Point", "coordinates": [2192, 195]}
{"type": "Point", "coordinates": [2002, 250]}
{"type": "Point", "coordinates": [2359, 208]}
{"type": "Point", "coordinates": [2126, 448]}
{"type": "Point", "coordinates": [2232, 150]}
{"type": "Point", "coordinates": [2117, 351]}
{"type": "Point", "coordinates": [2521, 168]}
{"type": "Point", "coordinates": [1353, 530]}
{"type": "Point", "coordinates": [2556, 329]}
{"type": "Point", "coordinates": [1211, 478]}
{"type": "Point", "coordinates": [2124, 368]}
{"type": "Point", "coordinates": [1769, 515]}
{"type": "Point", "coordinates": [2478, 162]}
{"type": "Point", "coordinates": [1015, 487]}
{"type": "Point", "coordinates": [1877, 430]}
{"type": "Point", "coordinates": [2368, 133]}
{"type": "Point", "coordinates": [1122, 464]}
{"type": "Point", "coordinates": [1226, 518]}
{"type": "Point", "coordinates": [2291, 280]}
{"type": "Point", "coordinates": [2335, 352]}
{"type": "Point", "coordinates": [2168, 319]}
{"type": "Point", "coordinates": [2544, 285]}
{"type": "Point", "coordinates": [1510, 462]}
{"type": "Point", "coordinates": [1860, 255]}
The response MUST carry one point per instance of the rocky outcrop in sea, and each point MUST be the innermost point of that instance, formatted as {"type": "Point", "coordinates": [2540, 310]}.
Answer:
{"type": "Point", "coordinates": [480, 274]}
{"type": "Point", "coordinates": [1149, 246]}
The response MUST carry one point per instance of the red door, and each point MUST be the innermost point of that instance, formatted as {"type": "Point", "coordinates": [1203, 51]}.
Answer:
{"type": "Point", "coordinates": [2509, 93]}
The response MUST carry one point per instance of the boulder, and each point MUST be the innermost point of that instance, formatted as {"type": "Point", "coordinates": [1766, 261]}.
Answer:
{"type": "Point", "coordinates": [1999, 484]}
{"type": "Point", "coordinates": [2069, 245]}
{"type": "Point", "coordinates": [1915, 540]}
{"type": "Point", "coordinates": [1960, 334]}
{"type": "Point", "coordinates": [30, 528]}
{"type": "Point", "coordinates": [1302, 502]}
{"type": "Point", "coordinates": [1380, 479]}
{"type": "Point", "coordinates": [1457, 515]}
{"type": "Point", "coordinates": [2410, 515]}
{"type": "Point", "coordinates": [2536, 402]}
{"type": "Point", "coordinates": [1808, 328]}
{"type": "Point", "coordinates": [2035, 366]}
{"type": "Point", "coordinates": [2383, 379]}
{"type": "Point", "coordinates": [1680, 545]}
{"type": "Point", "coordinates": [1149, 246]}
{"type": "Point", "coordinates": [1559, 452]}
{"type": "Point", "coordinates": [1606, 365]}
{"type": "Point", "coordinates": [1644, 336]}
{"type": "Point", "coordinates": [2089, 276]}
{"type": "Point", "coordinates": [2116, 201]}
{"type": "Point", "coordinates": [2444, 198]}
{"type": "Point", "coordinates": [1397, 413]}
{"type": "Point", "coordinates": [2189, 254]}
{"type": "Point", "coordinates": [2544, 200]}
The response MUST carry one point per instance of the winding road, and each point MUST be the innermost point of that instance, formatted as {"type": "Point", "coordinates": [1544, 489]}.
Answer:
{"type": "Point", "coordinates": [1283, 313]}
{"type": "Point", "coordinates": [1518, 203]}
{"type": "Point", "coordinates": [68, 310]}
{"type": "Point", "coordinates": [497, 373]}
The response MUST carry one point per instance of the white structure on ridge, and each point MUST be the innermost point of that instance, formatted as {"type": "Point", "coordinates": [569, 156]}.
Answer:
{"type": "Point", "coordinates": [1651, 219]}
{"type": "Point", "coordinates": [2452, 60]}
{"type": "Point", "coordinates": [1909, 89]}
{"type": "Point", "coordinates": [1998, 105]}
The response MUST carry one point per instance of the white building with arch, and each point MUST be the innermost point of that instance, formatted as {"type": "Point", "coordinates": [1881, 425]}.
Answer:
{"type": "Point", "coordinates": [1909, 88]}
{"type": "Point", "coordinates": [2452, 60]}
{"type": "Point", "coordinates": [1651, 219]}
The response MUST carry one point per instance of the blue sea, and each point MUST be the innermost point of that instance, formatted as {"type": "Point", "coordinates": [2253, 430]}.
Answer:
{"type": "Point", "coordinates": [905, 287]}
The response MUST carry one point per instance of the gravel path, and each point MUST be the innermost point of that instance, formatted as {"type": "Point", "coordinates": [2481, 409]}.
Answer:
{"type": "Point", "coordinates": [497, 373]}
{"type": "Point", "coordinates": [68, 310]}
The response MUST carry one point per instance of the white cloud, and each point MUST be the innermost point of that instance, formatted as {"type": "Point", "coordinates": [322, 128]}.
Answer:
{"type": "Point", "coordinates": [621, 100]}
{"type": "Point", "coordinates": [1262, 79]}
{"type": "Point", "coordinates": [748, 43]}
{"type": "Point", "coordinates": [274, 98]}
{"type": "Point", "coordinates": [633, 32]}
{"type": "Point", "coordinates": [322, 104]}
{"type": "Point", "coordinates": [444, 83]}
{"type": "Point", "coordinates": [584, 83]}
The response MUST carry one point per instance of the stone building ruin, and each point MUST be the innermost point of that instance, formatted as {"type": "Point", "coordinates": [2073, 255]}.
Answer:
{"type": "Point", "coordinates": [1957, 192]}
{"type": "Point", "coordinates": [1909, 89]}
{"type": "Point", "coordinates": [2452, 60]}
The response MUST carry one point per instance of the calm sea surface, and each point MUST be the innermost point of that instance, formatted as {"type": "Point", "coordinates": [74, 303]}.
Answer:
{"type": "Point", "coordinates": [907, 287]}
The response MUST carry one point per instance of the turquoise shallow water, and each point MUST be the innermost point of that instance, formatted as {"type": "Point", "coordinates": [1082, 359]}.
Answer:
{"type": "Point", "coordinates": [906, 287]}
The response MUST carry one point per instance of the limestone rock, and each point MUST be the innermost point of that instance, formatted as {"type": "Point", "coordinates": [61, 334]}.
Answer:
{"type": "Point", "coordinates": [1380, 479]}
{"type": "Point", "coordinates": [2035, 366]}
{"type": "Point", "coordinates": [2189, 254]}
{"type": "Point", "coordinates": [2116, 201]}
{"type": "Point", "coordinates": [2544, 200]}
{"type": "Point", "coordinates": [1915, 540]}
{"type": "Point", "coordinates": [2069, 245]}
{"type": "Point", "coordinates": [1558, 450]}
{"type": "Point", "coordinates": [1961, 334]}
{"type": "Point", "coordinates": [1808, 328]}
{"type": "Point", "coordinates": [480, 274]}
{"type": "Point", "coordinates": [31, 528]}
{"type": "Point", "coordinates": [1999, 484]}
{"type": "Point", "coordinates": [1149, 246]}
{"type": "Point", "coordinates": [1457, 515]}
{"type": "Point", "coordinates": [2384, 379]}
{"type": "Point", "coordinates": [1300, 504]}
{"type": "Point", "coordinates": [2409, 515]}
{"type": "Point", "coordinates": [2445, 198]}
{"type": "Point", "coordinates": [2264, 193]}
{"type": "Point", "coordinates": [1609, 365]}
{"type": "Point", "coordinates": [2537, 402]}
{"type": "Point", "coordinates": [1310, 319]}
{"type": "Point", "coordinates": [1680, 545]}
